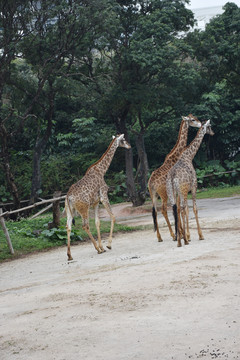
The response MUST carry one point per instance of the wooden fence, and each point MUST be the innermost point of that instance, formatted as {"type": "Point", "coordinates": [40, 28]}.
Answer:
{"type": "Point", "coordinates": [55, 203]}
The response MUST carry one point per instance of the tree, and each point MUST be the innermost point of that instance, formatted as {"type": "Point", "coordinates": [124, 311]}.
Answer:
{"type": "Point", "coordinates": [144, 53]}
{"type": "Point", "coordinates": [217, 51]}
{"type": "Point", "coordinates": [51, 36]}
{"type": "Point", "coordinates": [14, 18]}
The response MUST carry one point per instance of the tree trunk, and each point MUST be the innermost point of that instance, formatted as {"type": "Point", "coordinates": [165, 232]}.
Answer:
{"type": "Point", "coordinates": [130, 183]}
{"type": "Point", "coordinates": [131, 189]}
{"type": "Point", "coordinates": [7, 168]}
{"type": "Point", "coordinates": [36, 174]}
{"type": "Point", "coordinates": [142, 171]}
{"type": "Point", "coordinates": [40, 146]}
{"type": "Point", "coordinates": [56, 212]}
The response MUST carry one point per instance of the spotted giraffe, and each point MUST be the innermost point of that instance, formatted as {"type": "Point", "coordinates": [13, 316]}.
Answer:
{"type": "Point", "coordinates": [180, 180]}
{"type": "Point", "coordinates": [157, 181]}
{"type": "Point", "coordinates": [89, 191]}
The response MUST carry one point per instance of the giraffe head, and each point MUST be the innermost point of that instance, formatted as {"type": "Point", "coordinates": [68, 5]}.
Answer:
{"type": "Point", "coordinates": [121, 142]}
{"type": "Point", "coordinates": [192, 121]}
{"type": "Point", "coordinates": [207, 128]}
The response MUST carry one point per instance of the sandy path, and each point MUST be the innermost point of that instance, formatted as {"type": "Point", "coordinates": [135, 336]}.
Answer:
{"type": "Point", "coordinates": [142, 300]}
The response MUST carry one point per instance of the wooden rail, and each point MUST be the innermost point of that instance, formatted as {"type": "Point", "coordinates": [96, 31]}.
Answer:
{"type": "Point", "coordinates": [33, 206]}
{"type": "Point", "coordinates": [2, 214]}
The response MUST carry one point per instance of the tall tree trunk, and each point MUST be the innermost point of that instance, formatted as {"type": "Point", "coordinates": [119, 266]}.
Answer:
{"type": "Point", "coordinates": [36, 173]}
{"type": "Point", "coordinates": [40, 146]}
{"type": "Point", "coordinates": [130, 182]}
{"type": "Point", "coordinates": [142, 170]}
{"type": "Point", "coordinates": [131, 188]}
{"type": "Point", "coordinates": [7, 168]}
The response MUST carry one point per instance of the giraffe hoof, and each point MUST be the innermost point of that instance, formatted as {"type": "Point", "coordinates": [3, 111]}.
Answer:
{"type": "Point", "coordinates": [70, 258]}
{"type": "Point", "coordinates": [101, 251]}
{"type": "Point", "coordinates": [201, 238]}
{"type": "Point", "coordinates": [160, 240]}
{"type": "Point", "coordinates": [109, 247]}
{"type": "Point", "coordinates": [186, 242]}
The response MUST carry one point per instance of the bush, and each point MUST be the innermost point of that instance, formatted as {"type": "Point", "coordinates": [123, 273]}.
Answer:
{"type": "Point", "coordinates": [212, 173]}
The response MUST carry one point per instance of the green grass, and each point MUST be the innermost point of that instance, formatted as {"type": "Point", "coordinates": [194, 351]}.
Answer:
{"type": "Point", "coordinates": [29, 236]}
{"type": "Point", "coordinates": [218, 192]}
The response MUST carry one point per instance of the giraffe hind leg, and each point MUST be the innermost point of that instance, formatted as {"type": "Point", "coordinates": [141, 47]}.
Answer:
{"type": "Point", "coordinates": [83, 210]}
{"type": "Point", "coordinates": [154, 215]}
{"type": "Point", "coordinates": [164, 212]}
{"type": "Point", "coordinates": [69, 227]}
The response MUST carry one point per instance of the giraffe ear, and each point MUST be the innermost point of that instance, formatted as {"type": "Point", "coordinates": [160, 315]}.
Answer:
{"type": "Point", "coordinates": [113, 137]}
{"type": "Point", "coordinates": [185, 118]}
{"type": "Point", "coordinates": [120, 137]}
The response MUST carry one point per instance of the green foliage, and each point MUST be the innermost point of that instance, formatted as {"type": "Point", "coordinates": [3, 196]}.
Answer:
{"type": "Point", "coordinates": [222, 107]}
{"type": "Point", "coordinates": [100, 61]}
{"type": "Point", "coordinates": [117, 187]}
{"type": "Point", "coordinates": [212, 173]}
{"type": "Point", "coordinates": [28, 236]}
{"type": "Point", "coordinates": [58, 235]}
{"type": "Point", "coordinates": [84, 135]}
{"type": "Point", "coordinates": [4, 194]}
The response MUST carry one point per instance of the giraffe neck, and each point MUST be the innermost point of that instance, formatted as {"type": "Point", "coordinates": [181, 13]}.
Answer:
{"type": "Point", "coordinates": [180, 144]}
{"type": "Point", "coordinates": [191, 150]}
{"type": "Point", "coordinates": [102, 165]}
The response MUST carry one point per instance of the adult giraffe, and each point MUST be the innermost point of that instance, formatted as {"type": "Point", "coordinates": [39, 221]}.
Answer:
{"type": "Point", "coordinates": [180, 180]}
{"type": "Point", "coordinates": [89, 191]}
{"type": "Point", "coordinates": [157, 181]}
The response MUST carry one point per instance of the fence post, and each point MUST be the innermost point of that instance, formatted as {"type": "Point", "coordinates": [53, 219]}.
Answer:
{"type": "Point", "coordinates": [56, 212]}
{"type": "Point", "coordinates": [5, 230]}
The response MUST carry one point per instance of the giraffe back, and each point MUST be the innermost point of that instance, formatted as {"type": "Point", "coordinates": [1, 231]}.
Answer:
{"type": "Point", "coordinates": [87, 189]}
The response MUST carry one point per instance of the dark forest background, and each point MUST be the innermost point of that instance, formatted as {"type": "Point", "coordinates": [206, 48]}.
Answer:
{"type": "Point", "coordinates": [74, 73]}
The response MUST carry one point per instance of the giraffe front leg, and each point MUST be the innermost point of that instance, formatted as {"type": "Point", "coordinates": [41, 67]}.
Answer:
{"type": "Point", "coordinates": [83, 209]}
{"type": "Point", "coordinates": [86, 228]}
{"type": "Point", "coordinates": [97, 223]}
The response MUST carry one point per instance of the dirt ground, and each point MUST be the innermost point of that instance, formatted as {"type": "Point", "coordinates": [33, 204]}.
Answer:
{"type": "Point", "coordinates": [142, 300]}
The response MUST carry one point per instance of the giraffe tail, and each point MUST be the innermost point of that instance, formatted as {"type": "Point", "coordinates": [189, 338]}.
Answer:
{"type": "Point", "coordinates": [175, 218]}
{"type": "Point", "coordinates": [154, 218]}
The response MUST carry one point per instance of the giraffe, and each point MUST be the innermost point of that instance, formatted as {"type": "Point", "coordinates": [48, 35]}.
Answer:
{"type": "Point", "coordinates": [157, 181]}
{"type": "Point", "coordinates": [89, 191]}
{"type": "Point", "coordinates": [180, 180]}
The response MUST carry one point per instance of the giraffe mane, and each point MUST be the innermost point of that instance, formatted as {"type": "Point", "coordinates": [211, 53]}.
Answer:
{"type": "Point", "coordinates": [173, 149]}
{"type": "Point", "coordinates": [192, 140]}
{"type": "Point", "coordinates": [101, 156]}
